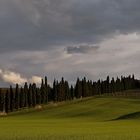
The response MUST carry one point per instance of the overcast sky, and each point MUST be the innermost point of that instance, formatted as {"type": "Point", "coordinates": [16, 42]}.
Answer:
{"type": "Point", "coordinates": [70, 38]}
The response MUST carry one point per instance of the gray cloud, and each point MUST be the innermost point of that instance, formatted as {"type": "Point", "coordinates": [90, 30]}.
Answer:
{"type": "Point", "coordinates": [31, 25]}
{"type": "Point", "coordinates": [34, 35]}
{"type": "Point", "coordinates": [116, 56]}
{"type": "Point", "coordinates": [82, 49]}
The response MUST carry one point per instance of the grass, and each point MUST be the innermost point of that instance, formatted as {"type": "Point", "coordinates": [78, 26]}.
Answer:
{"type": "Point", "coordinates": [91, 118]}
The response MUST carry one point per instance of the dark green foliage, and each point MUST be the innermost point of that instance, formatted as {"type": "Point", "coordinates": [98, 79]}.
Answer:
{"type": "Point", "coordinates": [67, 91]}
{"type": "Point", "coordinates": [14, 98]}
{"type": "Point", "coordinates": [26, 95]}
{"type": "Point", "coordinates": [54, 92]}
{"type": "Point", "coordinates": [17, 96]}
{"type": "Point", "coordinates": [34, 92]}
{"type": "Point", "coordinates": [22, 98]}
{"type": "Point", "coordinates": [29, 95]}
{"type": "Point", "coordinates": [12, 103]}
{"type": "Point", "coordinates": [2, 101]}
{"type": "Point", "coordinates": [78, 89]}
{"type": "Point", "coordinates": [43, 93]}
{"type": "Point", "coordinates": [61, 90]}
{"type": "Point", "coordinates": [46, 89]}
{"type": "Point", "coordinates": [7, 101]}
{"type": "Point", "coordinates": [38, 96]}
{"type": "Point", "coordinates": [72, 92]}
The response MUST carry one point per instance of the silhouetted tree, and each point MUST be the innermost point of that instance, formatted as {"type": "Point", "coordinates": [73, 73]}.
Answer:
{"type": "Point", "coordinates": [17, 96]}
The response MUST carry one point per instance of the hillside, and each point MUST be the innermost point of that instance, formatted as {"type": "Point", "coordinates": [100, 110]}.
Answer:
{"type": "Point", "coordinates": [99, 118]}
{"type": "Point", "coordinates": [99, 109]}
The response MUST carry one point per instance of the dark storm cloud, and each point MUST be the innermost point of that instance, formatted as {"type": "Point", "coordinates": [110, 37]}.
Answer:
{"type": "Point", "coordinates": [81, 49]}
{"type": "Point", "coordinates": [30, 25]}
{"type": "Point", "coordinates": [35, 35]}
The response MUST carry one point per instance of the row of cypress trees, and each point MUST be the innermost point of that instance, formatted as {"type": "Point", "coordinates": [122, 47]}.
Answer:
{"type": "Point", "coordinates": [30, 95]}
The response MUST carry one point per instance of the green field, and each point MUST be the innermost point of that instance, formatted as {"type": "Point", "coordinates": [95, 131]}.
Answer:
{"type": "Point", "coordinates": [91, 118]}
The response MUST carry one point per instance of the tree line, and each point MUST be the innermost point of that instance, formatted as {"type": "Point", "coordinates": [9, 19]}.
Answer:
{"type": "Point", "coordinates": [30, 95]}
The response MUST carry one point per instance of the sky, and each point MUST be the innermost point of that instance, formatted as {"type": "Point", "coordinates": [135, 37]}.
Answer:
{"type": "Point", "coordinates": [69, 38]}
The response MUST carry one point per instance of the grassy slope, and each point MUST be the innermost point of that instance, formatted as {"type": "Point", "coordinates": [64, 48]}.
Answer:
{"type": "Point", "coordinates": [92, 118]}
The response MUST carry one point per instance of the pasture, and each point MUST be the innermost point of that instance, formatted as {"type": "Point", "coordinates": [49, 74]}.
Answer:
{"type": "Point", "coordinates": [104, 118]}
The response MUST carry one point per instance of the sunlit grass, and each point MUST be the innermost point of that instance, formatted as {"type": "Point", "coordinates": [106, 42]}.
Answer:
{"type": "Point", "coordinates": [86, 119]}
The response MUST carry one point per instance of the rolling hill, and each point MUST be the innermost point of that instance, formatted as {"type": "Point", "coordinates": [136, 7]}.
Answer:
{"type": "Point", "coordinates": [90, 118]}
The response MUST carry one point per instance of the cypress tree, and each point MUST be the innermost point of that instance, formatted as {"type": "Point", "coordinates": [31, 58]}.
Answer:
{"type": "Point", "coordinates": [46, 88]}
{"type": "Point", "coordinates": [84, 88]}
{"type": "Point", "coordinates": [26, 95]}
{"type": "Point", "coordinates": [61, 90]}
{"type": "Point", "coordinates": [30, 102]}
{"type": "Point", "coordinates": [1, 109]}
{"type": "Point", "coordinates": [43, 92]}
{"type": "Point", "coordinates": [11, 99]}
{"type": "Point", "coordinates": [22, 98]}
{"type": "Point", "coordinates": [72, 92]}
{"type": "Point", "coordinates": [17, 97]}
{"type": "Point", "coordinates": [34, 94]}
{"type": "Point", "coordinates": [123, 83]}
{"type": "Point", "coordinates": [38, 96]}
{"type": "Point", "coordinates": [78, 89]}
{"type": "Point", "coordinates": [98, 86]}
{"type": "Point", "coordinates": [55, 91]}
{"type": "Point", "coordinates": [2, 101]}
{"type": "Point", "coordinates": [7, 101]}
{"type": "Point", "coordinates": [67, 91]}
{"type": "Point", "coordinates": [107, 84]}
{"type": "Point", "coordinates": [90, 88]}
{"type": "Point", "coordinates": [113, 85]}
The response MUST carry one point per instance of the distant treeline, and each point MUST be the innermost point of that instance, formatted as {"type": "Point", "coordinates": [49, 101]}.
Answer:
{"type": "Point", "coordinates": [30, 95]}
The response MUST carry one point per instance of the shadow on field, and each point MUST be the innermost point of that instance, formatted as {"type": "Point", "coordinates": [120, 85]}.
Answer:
{"type": "Point", "coordinates": [134, 115]}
